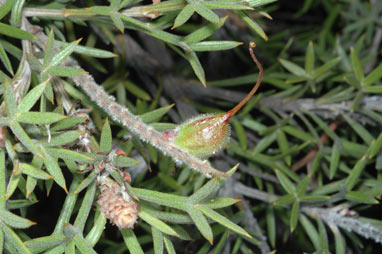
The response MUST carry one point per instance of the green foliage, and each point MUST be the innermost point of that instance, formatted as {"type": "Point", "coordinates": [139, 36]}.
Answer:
{"type": "Point", "coordinates": [89, 121]}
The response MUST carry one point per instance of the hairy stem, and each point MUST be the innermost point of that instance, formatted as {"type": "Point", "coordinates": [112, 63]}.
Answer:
{"type": "Point", "coordinates": [132, 122]}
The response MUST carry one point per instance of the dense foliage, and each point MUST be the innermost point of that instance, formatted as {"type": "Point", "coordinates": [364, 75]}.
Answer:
{"type": "Point", "coordinates": [94, 157]}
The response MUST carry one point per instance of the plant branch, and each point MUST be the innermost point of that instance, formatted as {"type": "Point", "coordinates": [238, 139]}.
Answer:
{"type": "Point", "coordinates": [123, 116]}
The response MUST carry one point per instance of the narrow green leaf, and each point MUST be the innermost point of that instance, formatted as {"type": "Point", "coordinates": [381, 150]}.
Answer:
{"type": "Point", "coordinates": [355, 173]}
{"type": "Point", "coordinates": [5, 8]}
{"type": "Point", "coordinates": [67, 123]}
{"type": "Point", "coordinates": [314, 198]}
{"type": "Point", "coordinates": [184, 15]}
{"type": "Point", "coordinates": [49, 52]}
{"type": "Point", "coordinates": [14, 32]}
{"type": "Point", "coordinates": [373, 89]}
{"type": "Point", "coordinates": [297, 133]}
{"type": "Point", "coordinates": [5, 60]}
{"type": "Point", "coordinates": [106, 138]}
{"type": "Point", "coordinates": [264, 143]}
{"type": "Point", "coordinates": [285, 182]}
{"type": "Point", "coordinates": [69, 155]}
{"type": "Point", "coordinates": [323, 126]}
{"type": "Point", "coordinates": [374, 76]}
{"type": "Point", "coordinates": [54, 170]}
{"type": "Point", "coordinates": [339, 240]}
{"type": "Point", "coordinates": [359, 129]}
{"type": "Point", "coordinates": [310, 230]}
{"type": "Point", "coordinates": [137, 91]}
{"type": "Point", "coordinates": [16, 12]}
{"type": "Point", "coordinates": [240, 132]}
{"type": "Point", "coordinates": [209, 188]}
{"type": "Point", "coordinates": [13, 239]}
{"type": "Point", "coordinates": [223, 221]}
{"type": "Point", "coordinates": [375, 146]}
{"type": "Point", "coordinates": [201, 223]}
{"type": "Point", "coordinates": [169, 246]}
{"type": "Point", "coordinates": [226, 5]}
{"type": "Point", "coordinates": [361, 197]}
{"type": "Point", "coordinates": [172, 217]}
{"type": "Point", "coordinates": [3, 180]}
{"type": "Point", "coordinates": [196, 66]}
{"type": "Point", "coordinates": [62, 139]}
{"type": "Point", "coordinates": [88, 51]}
{"type": "Point", "coordinates": [131, 241]}
{"type": "Point", "coordinates": [206, 13]}
{"type": "Point", "coordinates": [31, 97]}
{"type": "Point", "coordinates": [326, 67]}
{"type": "Point", "coordinates": [357, 67]}
{"type": "Point", "coordinates": [24, 138]}
{"type": "Point", "coordinates": [285, 200]}
{"type": "Point", "coordinates": [65, 71]}
{"type": "Point", "coordinates": [97, 230]}
{"type": "Point", "coordinates": [150, 30]}
{"type": "Point", "coordinates": [155, 222]}
{"type": "Point", "coordinates": [309, 58]}
{"type": "Point", "coordinates": [40, 244]}
{"type": "Point", "coordinates": [203, 32]}
{"type": "Point", "coordinates": [86, 207]}
{"type": "Point", "coordinates": [117, 22]}
{"type": "Point", "coordinates": [155, 115]}
{"type": "Point", "coordinates": [70, 248]}
{"type": "Point", "coordinates": [86, 182]}
{"type": "Point", "coordinates": [10, 99]}
{"type": "Point", "coordinates": [60, 56]}
{"type": "Point", "coordinates": [34, 172]}
{"type": "Point", "coordinates": [282, 141]}
{"type": "Point", "coordinates": [82, 245]}
{"type": "Point", "coordinates": [271, 225]}
{"type": "Point", "coordinates": [214, 45]}
{"type": "Point", "coordinates": [303, 186]}
{"type": "Point", "coordinates": [159, 198]}
{"type": "Point", "coordinates": [124, 162]}
{"type": "Point", "coordinates": [294, 215]}
{"type": "Point", "coordinates": [252, 24]}
{"type": "Point", "coordinates": [324, 244]}
{"type": "Point", "coordinates": [334, 161]}
{"type": "Point", "coordinates": [13, 220]}
{"type": "Point", "coordinates": [293, 68]}
{"type": "Point", "coordinates": [38, 117]}
{"type": "Point", "coordinates": [157, 240]}
{"type": "Point", "coordinates": [68, 206]}
{"type": "Point", "coordinates": [220, 202]}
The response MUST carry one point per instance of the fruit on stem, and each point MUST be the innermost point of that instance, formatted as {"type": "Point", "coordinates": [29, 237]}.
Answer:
{"type": "Point", "coordinates": [205, 135]}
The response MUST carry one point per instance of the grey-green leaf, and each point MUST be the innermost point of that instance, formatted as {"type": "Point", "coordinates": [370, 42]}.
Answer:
{"type": "Point", "coordinates": [14, 220]}
{"type": "Point", "coordinates": [223, 221]}
{"type": "Point", "coordinates": [106, 138]}
{"type": "Point", "coordinates": [60, 56]}
{"type": "Point", "coordinates": [184, 15]}
{"type": "Point", "coordinates": [34, 172]}
{"type": "Point", "coordinates": [39, 117]}
{"type": "Point", "coordinates": [201, 223]}
{"type": "Point", "coordinates": [31, 97]}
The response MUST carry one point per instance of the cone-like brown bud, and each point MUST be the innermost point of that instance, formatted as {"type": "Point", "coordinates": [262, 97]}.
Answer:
{"type": "Point", "coordinates": [120, 209]}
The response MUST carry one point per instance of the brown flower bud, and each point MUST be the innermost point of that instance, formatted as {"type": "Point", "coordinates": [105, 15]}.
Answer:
{"type": "Point", "coordinates": [120, 209]}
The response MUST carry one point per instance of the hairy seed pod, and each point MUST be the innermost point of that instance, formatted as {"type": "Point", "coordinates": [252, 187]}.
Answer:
{"type": "Point", "coordinates": [206, 135]}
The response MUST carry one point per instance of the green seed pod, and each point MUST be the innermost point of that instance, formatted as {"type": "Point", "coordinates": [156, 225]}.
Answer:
{"type": "Point", "coordinates": [205, 135]}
